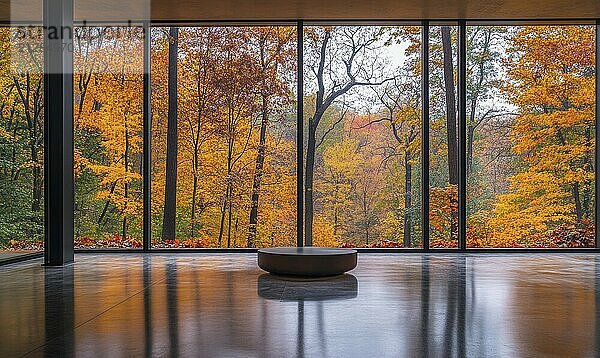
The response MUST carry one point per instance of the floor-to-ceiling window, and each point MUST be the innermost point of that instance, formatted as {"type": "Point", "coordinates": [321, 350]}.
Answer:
{"type": "Point", "coordinates": [223, 136]}
{"type": "Point", "coordinates": [224, 156]}
{"type": "Point", "coordinates": [21, 141]}
{"type": "Point", "coordinates": [530, 136]}
{"type": "Point", "coordinates": [362, 89]}
{"type": "Point", "coordinates": [443, 136]}
{"type": "Point", "coordinates": [108, 82]}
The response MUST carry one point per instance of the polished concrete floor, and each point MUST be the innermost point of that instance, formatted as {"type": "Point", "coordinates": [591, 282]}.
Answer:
{"type": "Point", "coordinates": [209, 305]}
{"type": "Point", "coordinates": [4, 254]}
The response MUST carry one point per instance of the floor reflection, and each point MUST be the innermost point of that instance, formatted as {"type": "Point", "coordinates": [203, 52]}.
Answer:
{"type": "Point", "coordinates": [284, 288]}
{"type": "Point", "coordinates": [320, 290]}
{"type": "Point", "coordinates": [59, 311]}
{"type": "Point", "coordinates": [147, 275]}
{"type": "Point", "coordinates": [223, 305]}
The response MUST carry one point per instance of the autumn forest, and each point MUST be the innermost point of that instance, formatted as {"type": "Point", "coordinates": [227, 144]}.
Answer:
{"type": "Point", "coordinates": [224, 137]}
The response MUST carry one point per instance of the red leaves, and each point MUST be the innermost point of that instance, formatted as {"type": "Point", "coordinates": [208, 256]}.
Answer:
{"type": "Point", "coordinates": [178, 244]}
{"type": "Point", "coordinates": [570, 235]}
{"type": "Point", "coordinates": [15, 245]}
{"type": "Point", "coordinates": [116, 241]}
{"type": "Point", "coordinates": [564, 236]}
{"type": "Point", "coordinates": [380, 244]}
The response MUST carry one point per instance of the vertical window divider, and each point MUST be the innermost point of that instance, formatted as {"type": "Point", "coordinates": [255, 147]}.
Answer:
{"type": "Point", "coordinates": [462, 130]}
{"type": "Point", "coordinates": [425, 133]}
{"type": "Point", "coordinates": [59, 193]}
{"type": "Point", "coordinates": [300, 135]}
{"type": "Point", "coordinates": [597, 136]}
{"type": "Point", "coordinates": [147, 127]}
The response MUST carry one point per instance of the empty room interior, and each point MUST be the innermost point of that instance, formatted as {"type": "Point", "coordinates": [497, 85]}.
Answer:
{"type": "Point", "coordinates": [299, 178]}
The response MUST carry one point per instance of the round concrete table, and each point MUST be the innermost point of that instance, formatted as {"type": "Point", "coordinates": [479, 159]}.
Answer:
{"type": "Point", "coordinates": [307, 261]}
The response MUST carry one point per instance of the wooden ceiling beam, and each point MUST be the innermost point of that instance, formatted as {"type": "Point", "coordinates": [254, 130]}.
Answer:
{"type": "Point", "coordinates": [272, 10]}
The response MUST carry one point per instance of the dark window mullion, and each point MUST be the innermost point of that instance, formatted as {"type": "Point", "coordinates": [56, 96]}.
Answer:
{"type": "Point", "coordinates": [425, 133]}
{"type": "Point", "coordinates": [147, 118]}
{"type": "Point", "coordinates": [300, 136]}
{"type": "Point", "coordinates": [462, 130]}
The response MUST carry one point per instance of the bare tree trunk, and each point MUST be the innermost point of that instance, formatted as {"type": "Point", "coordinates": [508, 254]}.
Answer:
{"type": "Point", "coordinates": [193, 218]}
{"type": "Point", "coordinates": [229, 207]}
{"type": "Point", "coordinates": [587, 189]}
{"type": "Point", "coordinates": [322, 102]}
{"type": "Point", "coordinates": [229, 187]}
{"type": "Point", "coordinates": [335, 222]}
{"type": "Point", "coordinates": [37, 183]}
{"type": "Point", "coordinates": [126, 184]}
{"type": "Point", "coordinates": [33, 127]}
{"type": "Point", "coordinates": [235, 231]}
{"type": "Point", "coordinates": [13, 166]}
{"type": "Point", "coordinates": [258, 172]}
{"type": "Point", "coordinates": [407, 200]}
{"type": "Point", "coordinates": [475, 93]}
{"type": "Point", "coordinates": [470, 138]}
{"type": "Point", "coordinates": [575, 186]}
{"type": "Point", "coordinates": [196, 169]}
{"type": "Point", "coordinates": [578, 208]}
{"type": "Point", "coordinates": [450, 120]}
{"type": "Point", "coordinates": [313, 122]}
{"type": "Point", "coordinates": [222, 224]}
{"type": "Point", "coordinates": [309, 174]}
{"type": "Point", "coordinates": [168, 229]}
{"type": "Point", "coordinates": [107, 203]}
{"type": "Point", "coordinates": [366, 214]}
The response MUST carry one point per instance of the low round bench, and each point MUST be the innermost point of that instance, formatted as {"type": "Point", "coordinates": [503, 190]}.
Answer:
{"type": "Point", "coordinates": [307, 261]}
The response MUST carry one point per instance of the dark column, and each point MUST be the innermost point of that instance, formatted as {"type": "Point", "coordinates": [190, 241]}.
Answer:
{"type": "Point", "coordinates": [462, 131]}
{"type": "Point", "coordinates": [147, 140]}
{"type": "Point", "coordinates": [300, 137]}
{"type": "Point", "coordinates": [58, 131]}
{"type": "Point", "coordinates": [425, 133]}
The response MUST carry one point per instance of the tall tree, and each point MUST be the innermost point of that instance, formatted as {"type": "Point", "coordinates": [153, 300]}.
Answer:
{"type": "Point", "coordinates": [108, 129]}
{"type": "Point", "coordinates": [483, 58]}
{"type": "Point", "coordinates": [235, 81]}
{"type": "Point", "coordinates": [197, 47]}
{"type": "Point", "coordinates": [401, 102]}
{"type": "Point", "coordinates": [170, 206]}
{"type": "Point", "coordinates": [451, 131]}
{"type": "Point", "coordinates": [551, 81]}
{"type": "Point", "coordinates": [273, 52]}
{"type": "Point", "coordinates": [343, 58]}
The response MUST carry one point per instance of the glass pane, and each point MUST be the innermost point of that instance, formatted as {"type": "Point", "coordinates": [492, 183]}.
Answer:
{"type": "Point", "coordinates": [530, 136]}
{"type": "Point", "coordinates": [363, 132]}
{"type": "Point", "coordinates": [21, 141]}
{"type": "Point", "coordinates": [224, 153]}
{"type": "Point", "coordinates": [108, 136]}
{"type": "Point", "coordinates": [443, 137]}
